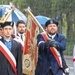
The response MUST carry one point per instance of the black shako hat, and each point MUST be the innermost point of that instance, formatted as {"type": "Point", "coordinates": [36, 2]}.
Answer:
{"type": "Point", "coordinates": [7, 23]}
{"type": "Point", "coordinates": [51, 22]}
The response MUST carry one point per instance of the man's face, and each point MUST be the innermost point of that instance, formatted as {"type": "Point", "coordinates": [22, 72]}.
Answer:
{"type": "Point", "coordinates": [51, 29]}
{"type": "Point", "coordinates": [21, 28]}
{"type": "Point", "coordinates": [7, 31]}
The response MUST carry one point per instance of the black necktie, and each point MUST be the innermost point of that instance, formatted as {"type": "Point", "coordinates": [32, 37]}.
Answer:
{"type": "Point", "coordinates": [21, 36]}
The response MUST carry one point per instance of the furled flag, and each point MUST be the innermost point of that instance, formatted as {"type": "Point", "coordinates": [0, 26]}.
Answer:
{"type": "Point", "coordinates": [74, 58]}
{"type": "Point", "coordinates": [30, 52]}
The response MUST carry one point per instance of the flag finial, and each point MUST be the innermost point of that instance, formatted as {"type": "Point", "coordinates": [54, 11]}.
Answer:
{"type": "Point", "coordinates": [27, 9]}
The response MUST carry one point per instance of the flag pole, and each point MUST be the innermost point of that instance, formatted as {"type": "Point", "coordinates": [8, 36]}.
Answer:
{"type": "Point", "coordinates": [6, 15]}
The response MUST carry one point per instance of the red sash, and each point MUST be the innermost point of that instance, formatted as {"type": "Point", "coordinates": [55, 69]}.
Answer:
{"type": "Point", "coordinates": [9, 56]}
{"type": "Point", "coordinates": [54, 51]}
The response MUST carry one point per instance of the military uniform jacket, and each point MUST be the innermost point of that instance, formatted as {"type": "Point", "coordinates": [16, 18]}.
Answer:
{"type": "Point", "coordinates": [5, 67]}
{"type": "Point", "coordinates": [46, 59]}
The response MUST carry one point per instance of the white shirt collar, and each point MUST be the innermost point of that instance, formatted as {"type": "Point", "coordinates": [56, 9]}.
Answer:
{"type": "Point", "coordinates": [52, 35]}
{"type": "Point", "coordinates": [21, 34]}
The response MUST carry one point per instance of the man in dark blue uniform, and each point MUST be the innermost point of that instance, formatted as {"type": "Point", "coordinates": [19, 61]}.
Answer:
{"type": "Point", "coordinates": [48, 63]}
{"type": "Point", "coordinates": [10, 52]}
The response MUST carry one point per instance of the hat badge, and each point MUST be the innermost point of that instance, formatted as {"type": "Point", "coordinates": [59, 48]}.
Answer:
{"type": "Point", "coordinates": [11, 24]}
{"type": "Point", "coordinates": [51, 21]}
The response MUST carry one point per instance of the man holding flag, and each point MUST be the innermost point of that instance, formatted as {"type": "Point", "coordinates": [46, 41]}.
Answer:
{"type": "Point", "coordinates": [10, 52]}
{"type": "Point", "coordinates": [51, 46]}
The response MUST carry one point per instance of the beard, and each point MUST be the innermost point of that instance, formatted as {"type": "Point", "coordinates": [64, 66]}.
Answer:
{"type": "Point", "coordinates": [22, 31]}
{"type": "Point", "coordinates": [51, 33]}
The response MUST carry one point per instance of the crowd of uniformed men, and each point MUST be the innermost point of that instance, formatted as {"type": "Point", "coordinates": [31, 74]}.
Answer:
{"type": "Point", "coordinates": [50, 50]}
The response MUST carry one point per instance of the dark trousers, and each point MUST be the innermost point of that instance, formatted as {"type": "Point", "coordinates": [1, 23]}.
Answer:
{"type": "Point", "coordinates": [49, 72]}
